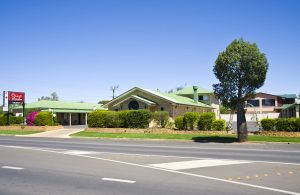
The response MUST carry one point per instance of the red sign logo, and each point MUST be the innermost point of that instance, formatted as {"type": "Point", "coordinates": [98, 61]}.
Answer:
{"type": "Point", "coordinates": [16, 96]}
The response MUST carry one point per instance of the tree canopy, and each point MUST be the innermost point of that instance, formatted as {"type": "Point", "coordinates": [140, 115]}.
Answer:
{"type": "Point", "coordinates": [241, 69]}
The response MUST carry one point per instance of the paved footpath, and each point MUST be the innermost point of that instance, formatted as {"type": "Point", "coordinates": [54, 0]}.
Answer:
{"type": "Point", "coordinates": [59, 133]}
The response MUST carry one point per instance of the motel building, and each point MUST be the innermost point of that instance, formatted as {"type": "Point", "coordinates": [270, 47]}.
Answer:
{"type": "Point", "coordinates": [66, 113]}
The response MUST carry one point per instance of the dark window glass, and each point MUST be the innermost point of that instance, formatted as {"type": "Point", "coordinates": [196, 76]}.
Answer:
{"type": "Point", "coordinates": [254, 103]}
{"type": "Point", "coordinates": [133, 105]}
{"type": "Point", "coordinates": [268, 102]}
{"type": "Point", "coordinates": [200, 97]}
{"type": "Point", "coordinates": [162, 109]}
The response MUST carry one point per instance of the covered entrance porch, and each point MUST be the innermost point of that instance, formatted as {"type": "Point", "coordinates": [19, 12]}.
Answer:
{"type": "Point", "coordinates": [71, 118]}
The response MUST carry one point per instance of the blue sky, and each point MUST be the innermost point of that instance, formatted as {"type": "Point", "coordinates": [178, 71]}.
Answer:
{"type": "Point", "coordinates": [79, 48]}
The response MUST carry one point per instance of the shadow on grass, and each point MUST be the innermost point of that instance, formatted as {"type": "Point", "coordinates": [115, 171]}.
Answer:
{"type": "Point", "coordinates": [216, 139]}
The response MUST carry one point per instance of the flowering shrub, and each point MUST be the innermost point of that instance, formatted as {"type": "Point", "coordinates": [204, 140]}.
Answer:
{"type": "Point", "coordinates": [30, 118]}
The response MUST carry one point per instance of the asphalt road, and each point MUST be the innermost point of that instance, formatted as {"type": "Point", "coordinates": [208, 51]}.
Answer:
{"type": "Point", "coordinates": [101, 166]}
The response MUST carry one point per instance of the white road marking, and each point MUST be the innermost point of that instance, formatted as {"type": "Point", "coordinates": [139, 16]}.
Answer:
{"type": "Point", "coordinates": [177, 172]}
{"type": "Point", "coordinates": [197, 164]}
{"type": "Point", "coordinates": [76, 152]}
{"type": "Point", "coordinates": [11, 167]}
{"type": "Point", "coordinates": [118, 180]}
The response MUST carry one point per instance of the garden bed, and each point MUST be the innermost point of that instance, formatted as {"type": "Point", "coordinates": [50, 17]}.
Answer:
{"type": "Point", "coordinates": [30, 128]}
{"type": "Point", "coordinates": [154, 131]}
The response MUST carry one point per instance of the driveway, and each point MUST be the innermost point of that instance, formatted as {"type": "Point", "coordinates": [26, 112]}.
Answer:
{"type": "Point", "coordinates": [65, 132]}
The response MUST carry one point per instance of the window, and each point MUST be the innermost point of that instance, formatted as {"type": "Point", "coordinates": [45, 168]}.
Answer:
{"type": "Point", "coordinates": [162, 109]}
{"type": "Point", "coordinates": [268, 102]}
{"type": "Point", "coordinates": [203, 98]}
{"type": "Point", "coordinates": [252, 103]}
{"type": "Point", "coordinates": [133, 105]}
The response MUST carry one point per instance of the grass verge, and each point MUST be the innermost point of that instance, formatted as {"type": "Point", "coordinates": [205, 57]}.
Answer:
{"type": "Point", "coordinates": [17, 132]}
{"type": "Point", "coordinates": [196, 138]}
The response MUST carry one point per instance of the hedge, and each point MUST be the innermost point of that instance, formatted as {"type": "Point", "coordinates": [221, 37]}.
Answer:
{"type": "Point", "coordinates": [190, 120]}
{"type": "Point", "coordinates": [138, 118]}
{"type": "Point", "coordinates": [205, 120]}
{"type": "Point", "coordinates": [13, 120]}
{"type": "Point", "coordinates": [179, 124]}
{"type": "Point", "coordinates": [161, 117]}
{"type": "Point", "coordinates": [124, 119]}
{"type": "Point", "coordinates": [268, 124]}
{"type": "Point", "coordinates": [281, 124]}
{"type": "Point", "coordinates": [218, 125]}
{"type": "Point", "coordinates": [43, 119]}
{"type": "Point", "coordinates": [97, 118]}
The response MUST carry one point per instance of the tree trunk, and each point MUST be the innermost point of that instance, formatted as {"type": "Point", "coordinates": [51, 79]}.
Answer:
{"type": "Point", "coordinates": [241, 123]}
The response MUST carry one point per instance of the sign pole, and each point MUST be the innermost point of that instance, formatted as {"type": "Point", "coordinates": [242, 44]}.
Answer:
{"type": "Point", "coordinates": [24, 112]}
{"type": "Point", "coordinates": [7, 122]}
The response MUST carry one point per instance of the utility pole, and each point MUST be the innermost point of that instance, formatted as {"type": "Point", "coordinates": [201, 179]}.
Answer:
{"type": "Point", "coordinates": [114, 89]}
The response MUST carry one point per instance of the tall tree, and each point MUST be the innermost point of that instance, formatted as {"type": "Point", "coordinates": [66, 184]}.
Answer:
{"type": "Point", "coordinates": [241, 69]}
{"type": "Point", "coordinates": [53, 97]}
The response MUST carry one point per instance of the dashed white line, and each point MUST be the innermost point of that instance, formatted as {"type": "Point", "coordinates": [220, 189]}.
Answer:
{"type": "Point", "coordinates": [11, 167]}
{"type": "Point", "coordinates": [118, 180]}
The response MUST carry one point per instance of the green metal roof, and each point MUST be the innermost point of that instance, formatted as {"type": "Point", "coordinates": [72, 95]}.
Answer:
{"type": "Point", "coordinates": [171, 97]}
{"type": "Point", "coordinates": [294, 96]}
{"type": "Point", "coordinates": [45, 104]}
{"type": "Point", "coordinates": [148, 102]}
{"type": "Point", "coordinates": [69, 111]}
{"type": "Point", "coordinates": [286, 106]}
{"type": "Point", "coordinates": [190, 90]}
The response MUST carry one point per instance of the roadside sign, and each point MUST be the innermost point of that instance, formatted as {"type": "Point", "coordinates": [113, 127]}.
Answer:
{"type": "Point", "coordinates": [5, 108]}
{"type": "Point", "coordinates": [16, 96]}
{"type": "Point", "coordinates": [5, 98]}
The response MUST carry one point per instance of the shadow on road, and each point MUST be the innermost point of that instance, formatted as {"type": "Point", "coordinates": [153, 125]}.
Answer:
{"type": "Point", "coordinates": [216, 139]}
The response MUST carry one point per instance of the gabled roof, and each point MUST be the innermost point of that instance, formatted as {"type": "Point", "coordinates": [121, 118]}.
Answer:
{"type": "Point", "coordinates": [294, 96]}
{"type": "Point", "coordinates": [190, 90]}
{"type": "Point", "coordinates": [148, 102]}
{"type": "Point", "coordinates": [45, 104]}
{"type": "Point", "coordinates": [171, 97]}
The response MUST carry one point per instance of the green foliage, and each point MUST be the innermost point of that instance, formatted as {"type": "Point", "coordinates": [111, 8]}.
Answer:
{"type": "Point", "coordinates": [97, 118]}
{"type": "Point", "coordinates": [13, 120]}
{"type": "Point", "coordinates": [122, 115]}
{"type": "Point", "coordinates": [224, 110]}
{"type": "Point", "coordinates": [297, 124]}
{"type": "Point", "coordinates": [240, 68]}
{"type": "Point", "coordinates": [218, 125]}
{"type": "Point", "coordinates": [268, 124]}
{"type": "Point", "coordinates": [112, 119]}
{"type": "Point", "coordinates": [288, 124]}
{"type": "Point", "coordinates": [124, 119]}
{"type": "Point", "coordinates": [138, 118]}
{"type": "Point", "coordinates": [43, 119]}
{"type": "Point", "coordinates": [179, 124]}
{"type": "Point", "coordinates": [161, 117]}
{"type": "Point", "coordinates": [205, 120]}
{"type": "Point", "coordinates": [190, 120]}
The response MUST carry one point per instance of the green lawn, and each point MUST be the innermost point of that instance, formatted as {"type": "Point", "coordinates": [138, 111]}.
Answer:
{"type": "Point", "coordinates": [197, 138]}
{"type": "Point", "coordinates": [17, 132]}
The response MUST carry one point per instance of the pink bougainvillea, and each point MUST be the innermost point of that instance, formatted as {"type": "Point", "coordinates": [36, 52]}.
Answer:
{"type": "Point", "coordinates": [30, 118]}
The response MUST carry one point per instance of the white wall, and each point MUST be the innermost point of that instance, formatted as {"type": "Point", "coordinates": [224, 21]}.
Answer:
{"type": "Point", "coordinates": [251, 117]}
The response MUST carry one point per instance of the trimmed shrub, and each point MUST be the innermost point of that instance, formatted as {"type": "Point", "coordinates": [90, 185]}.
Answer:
{"type": "Point", "coordinates": [161, 117]}
{"type": "Point", "coordinates": [179, 123]}
{"type": "Point", "coordinates": [297, 123]}
{"type": "Point", "coordinates": [285, 124]}
{"type": "Point", "coordinates": [268, 124]}
{"type": "Point", "coordinates": [205, 120]}
{"type": "Point", "coordinates": [30, 118]}
{"type": "Point", "coordinates": [138, 118]}
{"type": "Point", "coordinates": [97, 118]}
{"type": "Point", "coordinates": [122, 115]}
{"type": "Point", "coordinates": [16, 120]}
{"type": "Point", "coordinates": [218, 125]}
{"type": "Point", "coordinates": [112, 120]}
{"type": "Point", "coordinates": [43, 119]}
{"type": "Point", "coordinates": [190, 120]}
{"type": "Point", "coordinates": [13, 120]}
